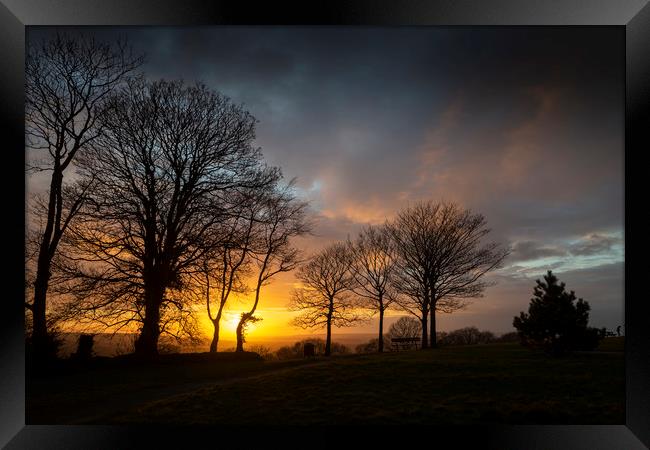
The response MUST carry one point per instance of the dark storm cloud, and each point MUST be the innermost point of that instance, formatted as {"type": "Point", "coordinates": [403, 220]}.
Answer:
{"type": "Point", "coordinates": [358, 107]}
{"type": "Point", "coordinates": [524, 125]}
{"type": "Point", "coordinates": [592, 245]}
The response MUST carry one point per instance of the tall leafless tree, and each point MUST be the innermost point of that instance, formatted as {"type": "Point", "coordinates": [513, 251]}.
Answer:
{"type": "Point", "coordinates": [283, 218]}
{"type": "Point", "coordinates": [226, 266]}
{"type": "Point", "coordinates": [411, 232]}
{"type": "Point", "coordinates": [373, 270]}
{"type": "Point", "coordinates": [442, 259]}
{"type": "Point", "coordinates": [324, 299]}
{"type": "Point", "coordinates": [172, 159]}
{"type": "Point", "coordinates": [68, 81]}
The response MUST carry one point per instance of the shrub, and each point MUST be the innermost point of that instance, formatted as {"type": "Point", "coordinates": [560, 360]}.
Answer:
{"type": "Point", "coordinates": [51, 348]}
{"type": "Point", "coordinates": [372, 346]}
{"type": "Point", "coordinates": [296, 350]}
{"type": "Point", "coordinates": [263, 351]}
{"type": "Point", "coordinates": [466, 336]}
{"type": "Point", "coordinates": [512, 336]}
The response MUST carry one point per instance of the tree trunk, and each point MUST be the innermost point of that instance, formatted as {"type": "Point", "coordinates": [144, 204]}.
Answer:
{"type": "Point", "coordinates": [147, 343]}
{"type": "Point", "coordinates": [39, 330]}
{"type": "Point", "coordinates": [425, 338]}
{"type": "Point", "coordinates": [328, 339]}
{"type": "Point", "coordinates": [41, 284]}
{"type": "Point", "coordinates": [380, 342]}
{"type": "Point", "coordinates": [249, 314]}
{"type": "Point", "coordinates": [425, 312]}
{"type": "Point", "coordinates": [240, 336]}
{"type": "Point", "coordinates": [434, 342]}
{"type": "Point", "coordinates": [215, 335]}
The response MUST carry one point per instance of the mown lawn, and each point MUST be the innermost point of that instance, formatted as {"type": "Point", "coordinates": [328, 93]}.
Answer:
{"type": "Point", "coordinates": [495, 383]}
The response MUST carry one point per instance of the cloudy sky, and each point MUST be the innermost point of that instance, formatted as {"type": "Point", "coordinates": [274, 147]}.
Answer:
{"type": "Point", "coordinates": [524, 125]}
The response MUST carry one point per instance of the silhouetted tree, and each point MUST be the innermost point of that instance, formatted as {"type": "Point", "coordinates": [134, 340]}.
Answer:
{"type": "Point", "coordinates": [324, 299]}
{"type": "Point", "coordinates": [166, 170]}
{"type": "Point", "coordinates": [226, 266]}
{"type": "Point", "coordinates": [373, 269]}
{"type": "Point", "coordinates": [282, 218]}
{"type": "Point", "coordinates": [405, 327]}
{"type": "Point", "coordinates": [555, 321]}
{"type": "Point", "coordinates": [441, 259]}
{"type": "Point", "coordinates": [512, 336]}
{"type": "Point", "coordinates": [467, 336]}
{"type": "Point", "coordinates": [68, 80]}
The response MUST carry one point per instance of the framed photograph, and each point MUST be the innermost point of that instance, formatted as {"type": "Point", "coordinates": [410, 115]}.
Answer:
{"type": "Point", "coordinates": [267, 224]}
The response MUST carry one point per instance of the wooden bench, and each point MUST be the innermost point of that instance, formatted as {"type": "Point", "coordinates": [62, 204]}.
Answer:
{"type": "Point", "coordinates": [404, 343]}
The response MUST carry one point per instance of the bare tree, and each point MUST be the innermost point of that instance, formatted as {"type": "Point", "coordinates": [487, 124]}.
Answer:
{"type": "Point", "coordinates": [171, 161]}
{"type": "Point", "coordinates": [283, 218]}
{"type": "Point", "coordinates": [442, 259]}
{"type": "Point", "coordinates": [226, 266]}
{"type": "Point", "coordinates": [68, 80]}
{"type": "Point", "coordinates": [324, 300]}
{"type": "Point", "coordinates": [373, 270]}
{"type": "Point", "coordinates": [405, 327]}
{"type": "Point", "coordinates": [467, 336]}
{"type": "Point", "coordinates": [412, 232]}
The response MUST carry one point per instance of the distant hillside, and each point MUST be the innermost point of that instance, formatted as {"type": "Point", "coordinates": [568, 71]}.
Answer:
{"type": "Point", "coordinates": [107, 344]}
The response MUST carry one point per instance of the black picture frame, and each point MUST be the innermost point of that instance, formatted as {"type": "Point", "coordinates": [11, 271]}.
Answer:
{"type": "Point", "coordinates": [632, 16]}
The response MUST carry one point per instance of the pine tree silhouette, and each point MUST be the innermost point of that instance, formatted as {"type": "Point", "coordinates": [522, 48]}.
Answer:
{"type": "Point", "coordinates": [555, 320]}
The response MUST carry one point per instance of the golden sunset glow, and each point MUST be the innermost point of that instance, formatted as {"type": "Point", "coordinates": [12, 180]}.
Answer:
{"type": "Point", "coordinates": [251, 227]}
{"type": "Point", "coordinates": [450, 137]}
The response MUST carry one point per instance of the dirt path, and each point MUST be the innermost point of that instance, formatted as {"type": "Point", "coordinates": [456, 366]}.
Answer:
{"type": "Point", "coordinates": [107, 411]}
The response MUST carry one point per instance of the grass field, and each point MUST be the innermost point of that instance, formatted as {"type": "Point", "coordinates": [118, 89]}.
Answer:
{"type": "Point", "coordinates": [94, 392]}
{"type": "Point", "coordinates": [494, 383]}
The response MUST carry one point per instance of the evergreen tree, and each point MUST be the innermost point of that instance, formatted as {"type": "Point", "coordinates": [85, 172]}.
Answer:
{"type": "Point", "coordinates": [555, 321]}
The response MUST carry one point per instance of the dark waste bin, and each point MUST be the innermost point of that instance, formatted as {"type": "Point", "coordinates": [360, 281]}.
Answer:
{"type": "Point", "coordinates": [309, 349]}
{"type": "Point", "coordinates": [84, 347]}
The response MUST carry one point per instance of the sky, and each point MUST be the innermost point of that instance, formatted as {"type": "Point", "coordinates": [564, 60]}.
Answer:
{"type": "Point", "coordinates": [524, 125]}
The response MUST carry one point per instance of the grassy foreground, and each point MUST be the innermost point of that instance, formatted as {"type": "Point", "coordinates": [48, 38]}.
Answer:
{"type": "Point", "coordinates": [495, 383]}
{"type": "Point", "coordinates": [95, 392]}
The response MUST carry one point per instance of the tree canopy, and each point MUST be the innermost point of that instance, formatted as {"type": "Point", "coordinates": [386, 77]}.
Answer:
{"type": "Point", "coordinates": [442, 259]}
{"type": "Point", "coordinates": [175, 163]}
